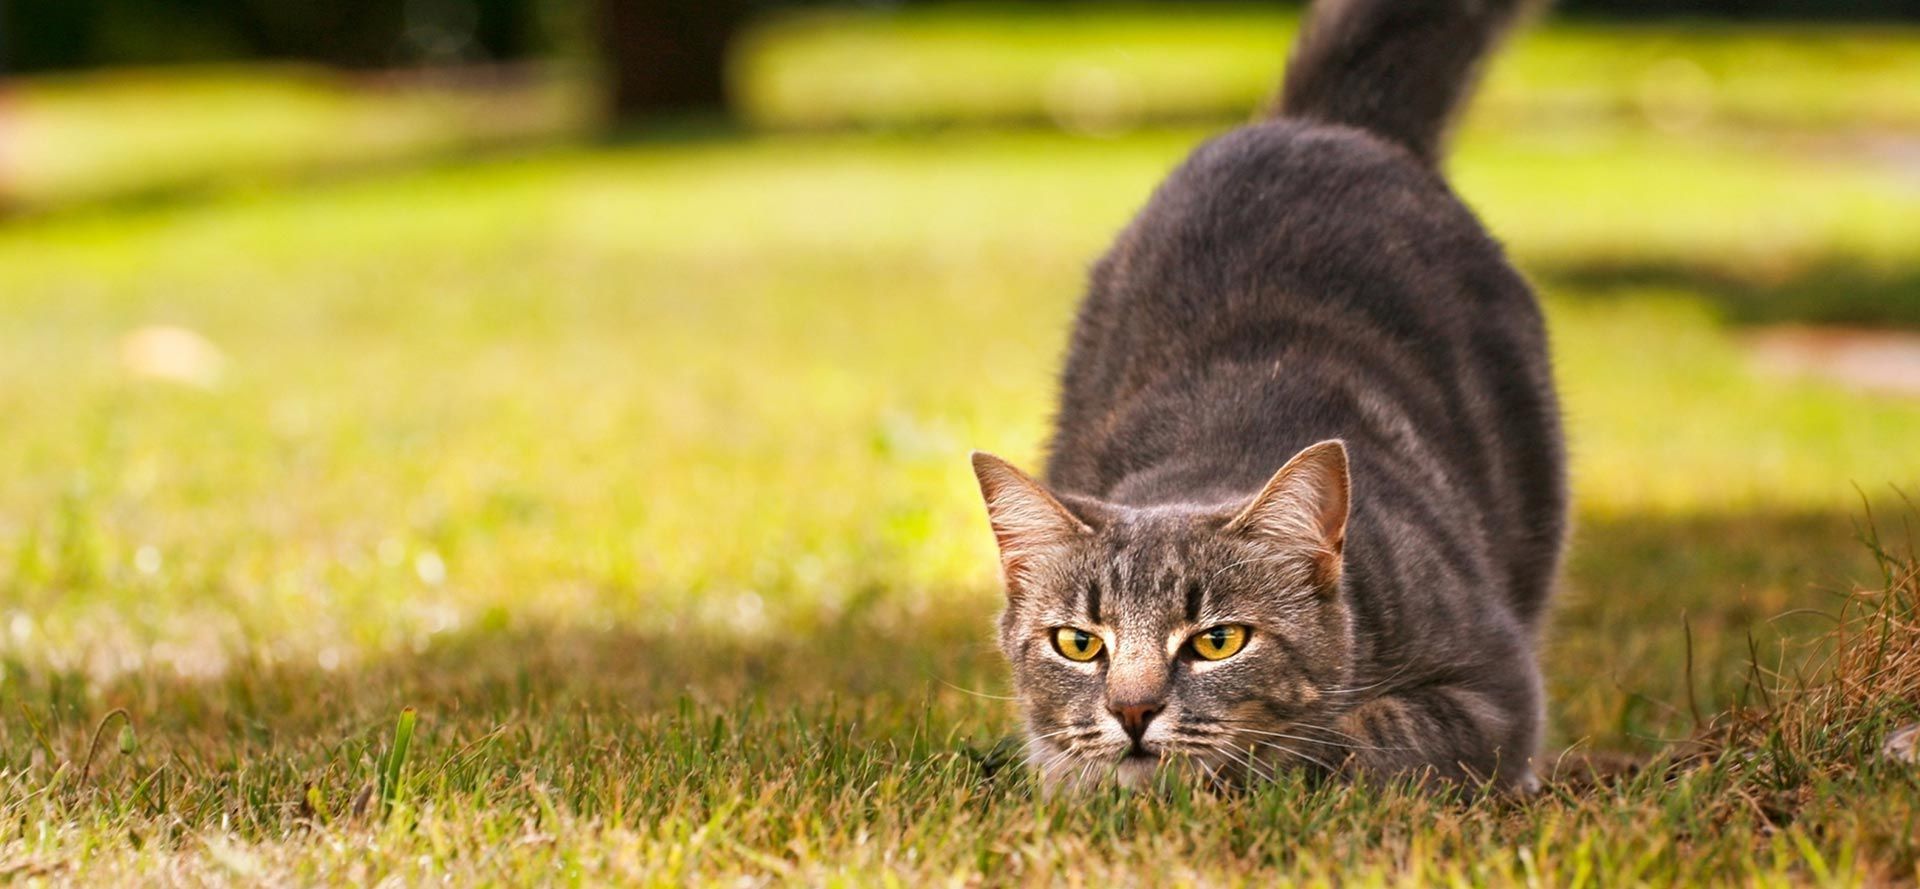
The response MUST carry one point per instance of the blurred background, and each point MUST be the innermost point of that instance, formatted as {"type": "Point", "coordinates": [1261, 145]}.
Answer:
{"type": "Point", "coordinates": [492, 351]}
{"type": "Point", "coordinates": [129, 97]}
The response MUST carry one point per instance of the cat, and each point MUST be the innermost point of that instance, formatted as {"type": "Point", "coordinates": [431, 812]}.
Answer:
{"type": "Point", "coordinates": [1305, 500]}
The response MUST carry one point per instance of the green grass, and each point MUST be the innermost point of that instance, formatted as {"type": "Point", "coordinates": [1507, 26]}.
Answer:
{"type": "Point", "coordinates": [639, 474]}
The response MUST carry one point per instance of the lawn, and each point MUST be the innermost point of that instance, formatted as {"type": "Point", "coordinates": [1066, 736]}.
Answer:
{"type": "Point", "coordinates": [639, 474]}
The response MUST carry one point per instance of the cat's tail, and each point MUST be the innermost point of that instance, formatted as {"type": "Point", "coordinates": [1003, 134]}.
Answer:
{"type": "Point", "coordinates": [1395, 68]}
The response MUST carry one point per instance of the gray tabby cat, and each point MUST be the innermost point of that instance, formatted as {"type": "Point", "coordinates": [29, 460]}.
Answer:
{"type": "Point", "coordinates": [1304, 291]}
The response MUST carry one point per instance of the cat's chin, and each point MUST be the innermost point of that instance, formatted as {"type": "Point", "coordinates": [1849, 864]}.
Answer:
{"type": "Point", "coordinates": [1131, 773]}
{"type": "Point", "coordinates": [1137, 772]}
{"type": "Point", "coordinates": [1061, 775]}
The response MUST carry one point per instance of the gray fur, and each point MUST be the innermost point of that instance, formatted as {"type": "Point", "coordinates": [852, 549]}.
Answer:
{"type": "Point", "coordinates": [1300, 281]}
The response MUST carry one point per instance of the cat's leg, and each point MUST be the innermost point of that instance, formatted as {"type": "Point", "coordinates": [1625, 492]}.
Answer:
{"type": "Point", "coordinates": [1447, 732]}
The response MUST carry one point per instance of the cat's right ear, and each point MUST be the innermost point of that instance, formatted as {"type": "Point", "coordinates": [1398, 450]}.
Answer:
{"type": "Point", "coordinates": [1028, 521]}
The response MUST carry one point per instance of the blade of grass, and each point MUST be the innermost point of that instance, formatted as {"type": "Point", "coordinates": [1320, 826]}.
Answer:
{"type": "Point", "coordinates": [396, 760]}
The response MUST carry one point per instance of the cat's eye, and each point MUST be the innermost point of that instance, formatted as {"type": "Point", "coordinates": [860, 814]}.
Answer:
{"type": "Point", "coordinates": [1219, 643]}
{"type": "Point", "coordinates": [1076, 644]}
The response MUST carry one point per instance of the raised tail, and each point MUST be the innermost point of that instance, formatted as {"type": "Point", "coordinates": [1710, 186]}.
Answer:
{"type": "Point", "coordinates": [1395, 68]}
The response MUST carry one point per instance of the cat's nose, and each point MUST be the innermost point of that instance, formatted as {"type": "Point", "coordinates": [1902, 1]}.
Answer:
{"type": "Point", "coordinates": [1134, 717]}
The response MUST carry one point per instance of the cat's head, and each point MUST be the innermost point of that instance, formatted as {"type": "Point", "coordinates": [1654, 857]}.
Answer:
{"type": "Point", "coordinates": [1209, 638]}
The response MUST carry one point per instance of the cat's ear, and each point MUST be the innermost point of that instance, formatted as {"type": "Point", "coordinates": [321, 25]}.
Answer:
{"type": "Point", "coordinates": [1028, 521]}
{"type": "Point", "coordinates": [1304, 506]}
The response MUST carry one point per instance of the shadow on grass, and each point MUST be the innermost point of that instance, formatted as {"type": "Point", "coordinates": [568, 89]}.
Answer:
{"type": "Point", "coordinates": [596, 720]}
{"type": "Point", "coordinates": [876, 662]}
{"type": "Point", "coordinates": [1830, 291]}
{"type": "Point", "coordinates": [187, 191]}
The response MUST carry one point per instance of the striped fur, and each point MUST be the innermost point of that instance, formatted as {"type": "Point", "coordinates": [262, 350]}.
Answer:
{"type": "Point", "coordinates": [1303, 280]}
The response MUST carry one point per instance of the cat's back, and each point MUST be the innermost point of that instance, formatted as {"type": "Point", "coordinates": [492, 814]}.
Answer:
{"type": "Point", "coordinates": [1281, 239]}
{"type": "Point", "coordinates": [1292, 282]}
{"type": "Point", "coordinates": [1286, 218]}
{"type": "Point", "coordinates": [1287, 186]}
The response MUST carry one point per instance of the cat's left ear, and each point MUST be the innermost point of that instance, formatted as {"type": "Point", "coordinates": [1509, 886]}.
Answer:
{"type": "Point", "coordinates": [1304, 506]}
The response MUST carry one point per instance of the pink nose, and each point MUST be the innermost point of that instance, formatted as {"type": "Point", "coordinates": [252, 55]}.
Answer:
{"type": "Point", "coordinates": [1134, 717]}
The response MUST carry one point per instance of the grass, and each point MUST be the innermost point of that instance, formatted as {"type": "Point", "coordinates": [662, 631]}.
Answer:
{"type": "Point", "coordinates": [1102, 66]}
{"type": "Point", "coordinates": [601, 514]}
{"type": "Point", "coordinates": [155, 134]}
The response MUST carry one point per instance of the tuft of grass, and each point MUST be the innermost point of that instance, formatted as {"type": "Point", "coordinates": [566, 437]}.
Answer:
{"type": "Point", "coordinates": [1806, 757]}
{"type": "Point", "coordinates": [1832, 715]}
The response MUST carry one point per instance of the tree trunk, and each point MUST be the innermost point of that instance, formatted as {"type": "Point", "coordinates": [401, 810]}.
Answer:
{"type": "Point", "coordinates": [6, 113]}
{"type": "Point", "coordinates": [666, 56]}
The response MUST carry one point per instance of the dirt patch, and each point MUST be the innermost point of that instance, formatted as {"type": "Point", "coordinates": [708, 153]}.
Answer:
{"type": "Point", "coordinates": [1878, 361]}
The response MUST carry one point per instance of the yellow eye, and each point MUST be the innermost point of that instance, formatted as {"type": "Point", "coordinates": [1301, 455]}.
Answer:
{"type": "Point", "coordinates": [1075, 644]}
{"type": "Point", "coordinates": [1221, 642]}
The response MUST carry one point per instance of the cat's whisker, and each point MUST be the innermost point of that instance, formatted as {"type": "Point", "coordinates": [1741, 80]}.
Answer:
{"type": "Point", "coordinates": [1284, 736]}
{"type": "Point", "coordinates": [1200, 735]}
{"type": "Point", "coordinates": [1235, 756]}
{"type": "Point", "coordinates": [1213, 775]}
{"type": "Point", "coordinates": [1253, 765]}
{"type": "Point", "coordinates": [1055, 734]}
{"type": "Point", "coordinates": [1308, 726]}
{"type": "Point", "coordinates": [1088, 766]}
{"type": "Point", "coordinates": [977, 694]}
{"type": "Point", "coordinates": [1356, 745]}
{"type": "Point", "coordinates": [1050, 760]}
{"type": "Point", "coordinates": [1361, 688]}
{"type": "Point", "coordinates": [1064, 751]}
{"type": "Point", "coordinates": [1046, 767]}
{"type": "Point", "coordinates": [1295, 753]}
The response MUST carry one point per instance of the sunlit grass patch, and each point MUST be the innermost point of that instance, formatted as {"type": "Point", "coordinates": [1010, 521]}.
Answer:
{"type": "Point", "coordinates": [146, 134]}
